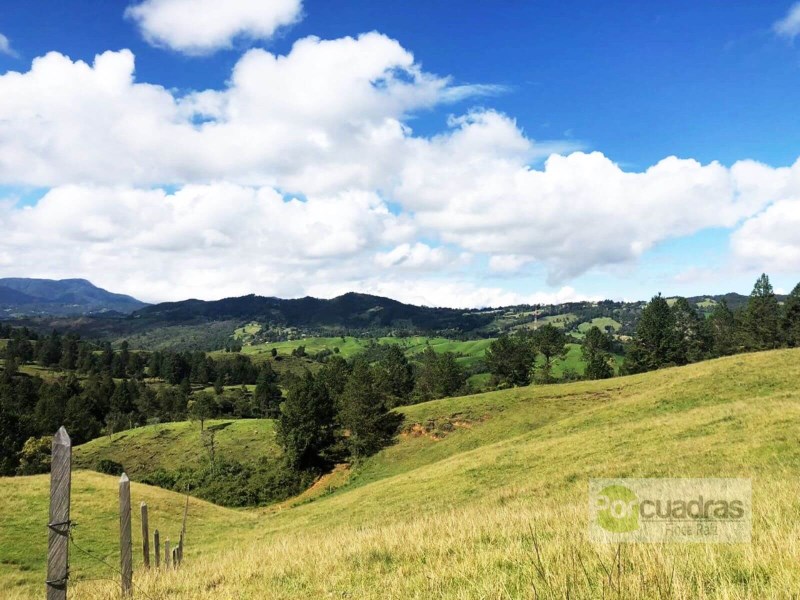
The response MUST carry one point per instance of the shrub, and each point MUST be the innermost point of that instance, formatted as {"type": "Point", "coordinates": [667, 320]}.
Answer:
{"type": "Point", "coordinates": [109, 467]}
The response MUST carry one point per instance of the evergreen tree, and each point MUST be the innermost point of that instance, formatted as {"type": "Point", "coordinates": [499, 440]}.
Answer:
{"type": "Point", "coordinates": [363, 413]}
{"type": "Point", "coordinates": [791, 318]}
{"type": "Point", "coordinates": [510, 359]}
{"type": "Point", "coordinates": [654, 344]}
{"type": "Point", "coordinates": [721, 326]}
{"type": "Point", "coordinates": [80, 420]}
{"type": "Point", "coordinates": [268, 397]}
{"type": "Point", "coordinates": [306, 423]}
{"type": "Point", "coordinates": [691, 344]}
{"type": "Point", "coordinates": [595, 350]}
{"type": "Point", "coordinates": [395, 375]}
{"type": "Point", "coordinates": [334, 375]}
{"type": "Point", "coordinates": [438, 375]}
{"type": "Point", "coordinates": [550, 342]}
{"type": "Point", "coordinates": [761, 319]}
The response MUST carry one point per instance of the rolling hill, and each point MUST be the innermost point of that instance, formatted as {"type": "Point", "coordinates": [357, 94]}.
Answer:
{"type": "Point", "coordinates": [485, 497]}
{"type": "Point", "coordinates": [144, 450]}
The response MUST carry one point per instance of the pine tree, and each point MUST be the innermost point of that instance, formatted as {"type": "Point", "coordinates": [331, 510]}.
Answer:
{"type": "Point", "coordinates": [306, 423]}
{"type": "Point", "coordinates": [691, 344]}
{"type": "Point", "coordinates": [595, 351]}
{"type": "Point", "coordinates": [791, 318]}
{"type": "Point", "coordinates": [267, 396]}
{"type": "Point", "coordinates": [761, 319]}
{"type": "Point", "coordinates": [438, 375]}
{"type": "Point", "coordinates": [363, 413]}
{"type": "Point", "coordinates": [395, 376]}
{"type": "Point", "coordinates": [550, 342]}
{"type": "Point", "coordinates": [721, 326]}
{"type": "Point", "coordinates": [510, 359]}
{"type": "Point", "coordinates": [654, 344]}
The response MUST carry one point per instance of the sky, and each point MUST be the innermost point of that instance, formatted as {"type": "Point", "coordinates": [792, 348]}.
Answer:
{"type": "Point", "coordinates": [454, 154]}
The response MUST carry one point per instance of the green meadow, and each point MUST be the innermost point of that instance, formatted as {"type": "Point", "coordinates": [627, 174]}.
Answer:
{"type": "Point", "coordinates": [483, 496]}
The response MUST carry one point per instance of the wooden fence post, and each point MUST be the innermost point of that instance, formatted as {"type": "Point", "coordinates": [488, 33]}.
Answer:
{"type": "Point", "coordinates": [145, 536]}
{"type": "Point", "coordinates": [125, 544]}
{"type": "Point", "coordinates": [58, 525]}
{"type": "Point", "coordinates": [167, 554]}
{"type": "Point", "coordinates": [157, 547]}
{"type": "Point", "coordinates": [180, 550]}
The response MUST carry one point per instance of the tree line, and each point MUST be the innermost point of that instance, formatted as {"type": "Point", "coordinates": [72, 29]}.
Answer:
{"type": "Point", "coordinates": [678, 335]}
{"type": "Point", "coordinates": [93, 390]}
{"type": "Point", "coordinates": [668, 333]}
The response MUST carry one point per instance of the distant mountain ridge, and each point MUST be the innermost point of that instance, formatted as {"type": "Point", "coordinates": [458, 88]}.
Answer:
{"type": "Point", "coordinates": [26, 297]}
{"type": "Point", "coordinates": [78, 305]}
{"type": "Point", "coordinates": [351, 310]}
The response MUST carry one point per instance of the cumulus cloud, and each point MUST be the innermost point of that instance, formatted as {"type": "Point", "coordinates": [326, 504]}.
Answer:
{"type": "Point", "coordinates": [330, 123]}
{"type": "Point", "coordinates": [453, 292]}
{"type": "Point", "coordinates": [202, 26]}
{"type": "Point", "coordinates": [789, 25]}
{"type": "Point", "coordinates": [769, 241]}
{"type": "Point", "coordinates": [327, 116]}
{"type": "Point", "coordinates": [201, 240]}
{"type": "Point", "coordinates": [473, 186]}
{"type": "Point", "coordinates": [5, 46]}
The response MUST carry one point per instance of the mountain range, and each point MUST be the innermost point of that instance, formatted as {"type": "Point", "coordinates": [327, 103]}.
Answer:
{"type": "Point", "coordinates": [78, 305]}
{"type": "Point", "coordinates": [23, 297]}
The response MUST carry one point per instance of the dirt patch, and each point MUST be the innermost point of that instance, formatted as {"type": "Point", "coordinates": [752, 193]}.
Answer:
{"type": "Point", "coordinates": [438, 429]}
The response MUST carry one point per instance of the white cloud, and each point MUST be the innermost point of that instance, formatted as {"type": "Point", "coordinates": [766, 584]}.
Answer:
{"type": "Point", "coordinates": [413, 256]}
{"type": "Point", "coordinates": [507, 263]}
{"type": "Point", "coordinates": [474, 188]}
{"type": "Point", "coordinates": [201, 241]}
{"type": "Point", "coordinates": [769, 241]}
{"type": "Point", "coordinates": [452, 292]}
{"type": "Point", "coordinates": [202, 26]}
{"type": "Point", "coordinates": [330, 121]}
{"type": "Point", "coordinates": [328, 116]}
{"type": "Point", "coordinates": [5, 46]}
{"type": "Point", "coordinates": [789, 25]}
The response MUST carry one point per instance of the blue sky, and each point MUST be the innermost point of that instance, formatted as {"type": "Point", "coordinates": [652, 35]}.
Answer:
{"type": "Point", "coordinates": [634, 82]}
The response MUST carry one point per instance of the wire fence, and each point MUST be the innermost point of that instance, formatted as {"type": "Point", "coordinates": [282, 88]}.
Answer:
{"type": "Point", "coordinates": [61, 532]}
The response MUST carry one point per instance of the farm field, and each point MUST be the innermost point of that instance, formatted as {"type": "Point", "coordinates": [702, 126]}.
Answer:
{"type": "Point", "coordinates": [470, 352]}
{"type": "Point", "coordinates": [485, 497]}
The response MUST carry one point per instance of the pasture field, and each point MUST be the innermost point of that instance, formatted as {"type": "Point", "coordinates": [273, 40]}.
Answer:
{"type": "Point", "coordinates": [485, 496]}
{"type": "Point", "coordinates": [600, 322]}
{"type": "Point", "coordinates": [171, 445]}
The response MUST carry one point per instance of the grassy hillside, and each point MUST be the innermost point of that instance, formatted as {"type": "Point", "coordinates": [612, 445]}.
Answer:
{"type": "Point", "coordinates": [170, 445]}
{"type": "Point", "coordinates": [95, 498]}
{"type": "Point", "coordinates": [350, 346]}
{"type": "Point", "coordinates": [485, 497]}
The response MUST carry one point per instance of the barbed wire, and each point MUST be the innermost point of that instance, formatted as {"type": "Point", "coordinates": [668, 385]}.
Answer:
{"type": "Point", "coordinates": [116, 570]}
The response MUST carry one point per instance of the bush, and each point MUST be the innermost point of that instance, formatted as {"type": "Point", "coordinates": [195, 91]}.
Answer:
{"type": "Point", "coordinates": [230, 483]}
{"type": "Point", "coordinates": [109, 467]}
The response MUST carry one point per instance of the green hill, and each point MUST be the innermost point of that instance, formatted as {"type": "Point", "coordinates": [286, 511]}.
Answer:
{"type": "Point", "coordinates": [143, 450]}
{"type": "Point", "coordinates": [486, 497]}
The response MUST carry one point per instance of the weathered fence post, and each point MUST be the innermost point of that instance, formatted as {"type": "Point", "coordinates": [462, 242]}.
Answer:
{"type": "Point", "coordinates": [58, 526]}
{"type": "Point", "coordinates": [157, 547]}
{"type": "Point", "coordinates": [125, 544]}
{"type": "Point", "coordinates": [145, 536]}
{"type": "Point", "coordinates": [167, 554]}
{"type": "Point", "coordinates": [175, 558]}
{"type": "Point", "coordinates": [183, 530]}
